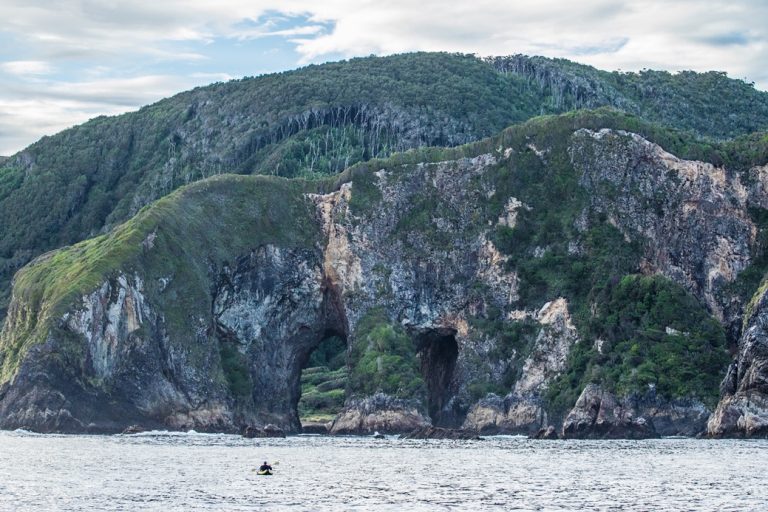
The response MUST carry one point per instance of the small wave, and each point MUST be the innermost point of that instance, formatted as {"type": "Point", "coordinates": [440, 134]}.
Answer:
{"type": "Point", "coordinates": [22, 432]}
{"type": "Point", "coordinates": [169, 433]}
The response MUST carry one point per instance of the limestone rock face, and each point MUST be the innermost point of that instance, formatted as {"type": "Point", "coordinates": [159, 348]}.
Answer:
{"type": "Point", "coordinates": [272, 308]}
{"type": "Point", "coordinates": [379, 413]}
{"type": "Point", "coordinates": [157, 381]}
{"type": "Point", "coordinates": [743, 409]}
{"type": "Point", "coordinates": [693, 214]}
{"type": "Point", "coordinates": [125, 348]}
{"type": "Point", "coordinates": [523, 410]}
{"type": "Point", "coordinates": [549, 356]}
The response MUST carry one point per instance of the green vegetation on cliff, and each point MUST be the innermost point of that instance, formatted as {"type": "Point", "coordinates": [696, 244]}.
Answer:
{"type": "Point", "coordinates": [648, 333]}
{"type": "Point", "coordinates": [314, 121]}
{"type": "Point", "coordinates": [708, 104]}
{"type": "Point", "coordinates": [383, 359]}
{"type": "Point", "coordinates": [319, 120]}
{"type": "Point", "coordinates": [324, 381]}
{"type": "Point", "coordinates": [553, 258]}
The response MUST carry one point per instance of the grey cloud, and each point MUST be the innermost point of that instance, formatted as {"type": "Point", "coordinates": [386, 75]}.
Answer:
{"type": "Point", "coordinates": [600, 47]}
{"type": "Point", "coordinates": [12, 139]}
{"type": "Point", "coordinates": [97, 97]}
{"type": "Point", "coordinates": [612, 47]}
{"type": "Point", "coordinates": [30, 109]}
{"type": "Point", "coordinates": [727, 39]}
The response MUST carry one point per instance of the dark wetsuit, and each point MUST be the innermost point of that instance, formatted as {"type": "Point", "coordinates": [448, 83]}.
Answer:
{"type": "Point", "coordinates": [265, 467]}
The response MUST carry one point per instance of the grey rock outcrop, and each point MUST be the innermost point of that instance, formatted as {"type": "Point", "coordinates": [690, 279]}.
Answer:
{"type": "Point", "coordinates": [379, 413]}
{"type": "Point", "coordinates": [546, 433]}
{"type": "Point", "coordinates": [267, 431]}
{"type": "Point", "coordinates": [674, 204]}
{"type": "Point", "coordinates": [600, 415]}
{"type": "Point", "coordinates": [430, 432]}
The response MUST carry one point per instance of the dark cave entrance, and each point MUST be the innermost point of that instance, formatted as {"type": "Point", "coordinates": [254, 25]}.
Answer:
{"type": "Point", "coordinates": [323, 380]}
{"type": "Point", "coordinates": [438, 351]}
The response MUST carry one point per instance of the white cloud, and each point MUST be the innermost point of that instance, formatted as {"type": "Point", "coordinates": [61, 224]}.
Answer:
{"type": "Point", "coordinates": [26, 67]}
{"type": "Point", "coordinates": [680, 34]}
{"type": "Point", "coordinates": [725, 35]}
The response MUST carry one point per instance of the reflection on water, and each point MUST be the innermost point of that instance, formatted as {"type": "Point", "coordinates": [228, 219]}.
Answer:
{"type": "Point", "coordinates": [177, 471]}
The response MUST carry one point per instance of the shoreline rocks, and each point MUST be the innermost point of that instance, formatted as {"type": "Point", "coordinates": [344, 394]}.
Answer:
{"type": "Point", "coordinates": [251, 432]}
{"type": "Point", "coordinates": [546, 433]}
{"type": "Point", "coordinates": [315, 427]}
{"type": "Point", "coordinates": [378, 413]}
{"type": "Point", "coordinates": [430, 432]}
{"type": "Point", "coordinates": [599, 414]}
{"type": "Point", "coordinates": [509, 415]}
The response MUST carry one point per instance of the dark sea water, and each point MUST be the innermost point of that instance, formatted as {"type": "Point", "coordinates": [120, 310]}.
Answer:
{"type": "Point", "coordinates": [173, 471]}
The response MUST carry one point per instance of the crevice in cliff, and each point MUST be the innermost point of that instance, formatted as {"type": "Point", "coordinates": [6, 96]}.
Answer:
{"type": "Point", "coordinates": [438, 351]}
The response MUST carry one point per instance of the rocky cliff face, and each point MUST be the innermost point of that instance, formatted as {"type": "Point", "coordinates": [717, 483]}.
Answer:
{"type": "Point", "coordinates": [201, 312]}
{"type": "Point", "coordinates": [650, 194]}
{"type": "Point", "coordinates": [523, 409]}
{"type": "Point", "coordinates": [743, 409]}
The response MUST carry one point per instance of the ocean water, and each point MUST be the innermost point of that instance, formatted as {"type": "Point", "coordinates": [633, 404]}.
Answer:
{"type": "Point", "coordinates": [178, 471]}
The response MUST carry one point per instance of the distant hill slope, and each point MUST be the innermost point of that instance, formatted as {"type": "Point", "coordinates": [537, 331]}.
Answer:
{"type": "Point", "coordinates": [707, 104]}
{"type": "Point", "coordinates": [319, 120]}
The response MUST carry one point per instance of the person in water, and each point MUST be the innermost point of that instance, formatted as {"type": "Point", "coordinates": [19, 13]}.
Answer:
{"type": "Point", "coordinates": [265, 467]}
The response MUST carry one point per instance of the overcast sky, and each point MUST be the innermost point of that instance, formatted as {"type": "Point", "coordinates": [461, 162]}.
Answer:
{"type": "Point", "coordinates": [65, 61]}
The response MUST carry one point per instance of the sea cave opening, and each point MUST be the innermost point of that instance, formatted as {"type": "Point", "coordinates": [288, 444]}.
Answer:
{"type": "Point", "coordinates": [438, 351]}
{"type": "Point", "coordinates": [323, 381]}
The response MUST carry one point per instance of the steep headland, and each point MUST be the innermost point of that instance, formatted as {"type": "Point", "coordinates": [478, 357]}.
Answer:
{"type": "Point", "coordinates": [588, 270]}
{"type": "Point", "coordinates": [318, 121]}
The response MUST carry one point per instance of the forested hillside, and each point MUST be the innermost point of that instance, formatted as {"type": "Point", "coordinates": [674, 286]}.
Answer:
{"type": "Point", "coordinates": [319, 120]}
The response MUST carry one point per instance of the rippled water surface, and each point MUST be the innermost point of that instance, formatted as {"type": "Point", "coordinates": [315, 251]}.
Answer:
{"type": "Point", "coordinates": [161, 471]}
